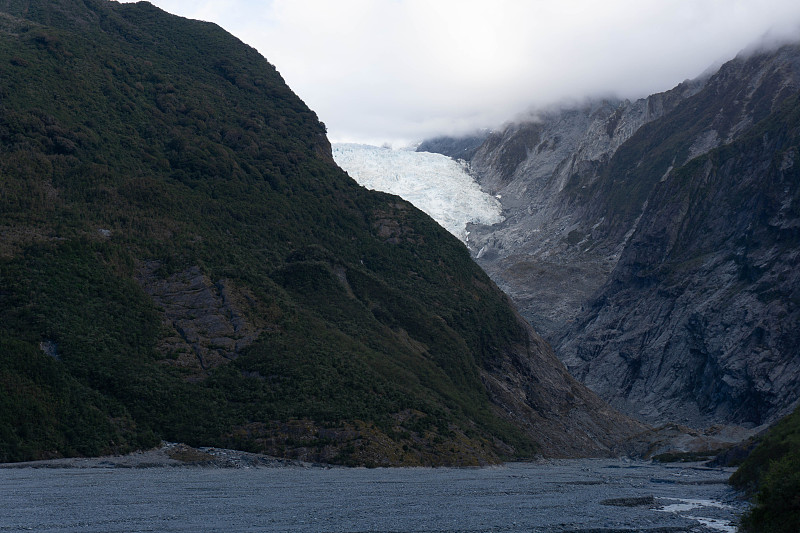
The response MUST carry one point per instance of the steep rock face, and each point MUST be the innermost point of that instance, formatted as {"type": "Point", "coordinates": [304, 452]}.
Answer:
{"type": "Point", "coordinates": [547, 254]}
{"type": "Point", "coordinates": [653, 242]}
{"type": "Point", "coordinates": [206, 324]}
{"type": "Point", "coordinates": [698, 322]}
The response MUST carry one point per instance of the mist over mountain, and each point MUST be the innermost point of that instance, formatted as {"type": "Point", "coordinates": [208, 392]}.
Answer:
{"type": "Point", "coordinates": [654, 242]}
{"type": "Point", "coordinates": [399, 71]}
{"type": "Point", "coordinates": [459, 148]}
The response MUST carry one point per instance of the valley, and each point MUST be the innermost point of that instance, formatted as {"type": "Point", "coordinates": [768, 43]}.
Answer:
{"type": "Point", "coordinates": [184, 260]}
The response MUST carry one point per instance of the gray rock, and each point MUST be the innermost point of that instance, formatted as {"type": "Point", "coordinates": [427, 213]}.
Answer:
{"type": "Point", "coordinates": [636, 501]}
{"type": "Point", "coordinates": [655, 242]}
{"type": "Point", "coordinates": [207, 320]}
{"type": "Point", "coordinates": [549, 254]}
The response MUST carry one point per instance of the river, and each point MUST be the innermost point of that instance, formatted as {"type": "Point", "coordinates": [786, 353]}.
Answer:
{"type": "Point", "coordinates": [607, 496]}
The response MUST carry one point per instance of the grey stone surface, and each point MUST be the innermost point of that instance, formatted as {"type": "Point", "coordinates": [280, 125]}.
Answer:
{"type": "Point", "coordinates": [662, 267]}
{"type": "Point", "coordinates": [206, 321]}
{"type": "Point", "coordinates": [551, 497]}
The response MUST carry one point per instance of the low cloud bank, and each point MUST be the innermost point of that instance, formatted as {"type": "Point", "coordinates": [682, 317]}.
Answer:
{"type": "Point", "coordinates": [404, 70]}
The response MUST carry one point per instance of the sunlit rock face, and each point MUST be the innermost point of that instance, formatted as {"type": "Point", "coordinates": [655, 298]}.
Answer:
{"type": "Point", "coordinates": [432, 182]}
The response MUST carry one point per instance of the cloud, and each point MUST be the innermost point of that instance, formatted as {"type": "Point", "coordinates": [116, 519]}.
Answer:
{"type": "Point", "coordinates": [402, 70]}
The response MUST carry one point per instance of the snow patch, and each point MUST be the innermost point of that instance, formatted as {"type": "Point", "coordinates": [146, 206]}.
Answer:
{"type": "Point", "coordinates": [434, 183]}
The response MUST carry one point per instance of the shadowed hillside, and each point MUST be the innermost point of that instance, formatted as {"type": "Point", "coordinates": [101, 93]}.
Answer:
{"type": "Point", "coordinates": [181, 260]}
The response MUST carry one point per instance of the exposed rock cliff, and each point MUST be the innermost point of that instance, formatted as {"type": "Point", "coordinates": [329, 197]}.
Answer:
{"type": "Point", "coordinates": [698, 322]}
{"type": "Point", "coordinates": [548, 254]}
{"type": "Point", "coordinates": [655, 242]}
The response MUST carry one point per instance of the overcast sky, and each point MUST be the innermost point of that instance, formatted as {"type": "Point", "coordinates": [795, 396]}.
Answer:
{"type": "Point", "coordinates": [401, 70]}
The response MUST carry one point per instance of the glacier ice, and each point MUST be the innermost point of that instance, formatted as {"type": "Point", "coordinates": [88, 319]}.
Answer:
{"type": "Point", "coordinates": [434, 183]}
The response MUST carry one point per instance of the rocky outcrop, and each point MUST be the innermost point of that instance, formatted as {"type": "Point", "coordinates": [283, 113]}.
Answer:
{"type": "Point", "coordinates": [698, 322]}
{"type": "Point", "coordinates": [654, 242]}
{"type": "Point", "coordinates": [205, 323]}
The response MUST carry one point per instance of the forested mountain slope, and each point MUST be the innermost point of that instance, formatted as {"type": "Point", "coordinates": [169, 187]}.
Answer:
{"type": "Point", "coordinates": [181, 259]}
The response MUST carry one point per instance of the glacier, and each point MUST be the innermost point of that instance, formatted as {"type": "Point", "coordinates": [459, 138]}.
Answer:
{"type": "Point", "coordinates": [434, 183]}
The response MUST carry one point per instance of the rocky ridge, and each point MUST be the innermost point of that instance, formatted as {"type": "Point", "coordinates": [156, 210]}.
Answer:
{"type": "Point", "coordinates": [598, 198]}
{"type": "Point", "coordinates": [546, 255]}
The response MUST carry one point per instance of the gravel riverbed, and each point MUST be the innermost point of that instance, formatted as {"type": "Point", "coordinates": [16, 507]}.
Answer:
{"type": "Point", "coordinates": [247, 492]}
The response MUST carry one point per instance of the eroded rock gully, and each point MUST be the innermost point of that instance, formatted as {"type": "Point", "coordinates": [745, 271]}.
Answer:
{"type": "Point", "coordinates": [206, 322]}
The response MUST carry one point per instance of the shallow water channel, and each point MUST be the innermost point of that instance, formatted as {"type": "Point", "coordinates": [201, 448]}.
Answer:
{"type": "Point", "coordinates": [560, 496]}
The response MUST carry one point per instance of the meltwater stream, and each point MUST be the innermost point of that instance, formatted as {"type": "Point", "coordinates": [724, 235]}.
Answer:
{"type": "Point", "coordinates": [608, 496]}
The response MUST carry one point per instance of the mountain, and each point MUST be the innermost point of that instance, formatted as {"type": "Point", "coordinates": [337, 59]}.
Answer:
{"type": "Point", "coordinates": [655, 242]}
{"type": "Point", "coordinates": [536, 167]}
{"type": "Point", "coordinates": [463, 147]}
{"type": "Point", "coordinates": [181, 259]}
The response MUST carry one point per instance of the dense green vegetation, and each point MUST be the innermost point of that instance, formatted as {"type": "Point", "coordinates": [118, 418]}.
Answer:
{"type": "Point", "coordinates": [131, 137]}
{"type": "Point", "coordinates": [772, 473]}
